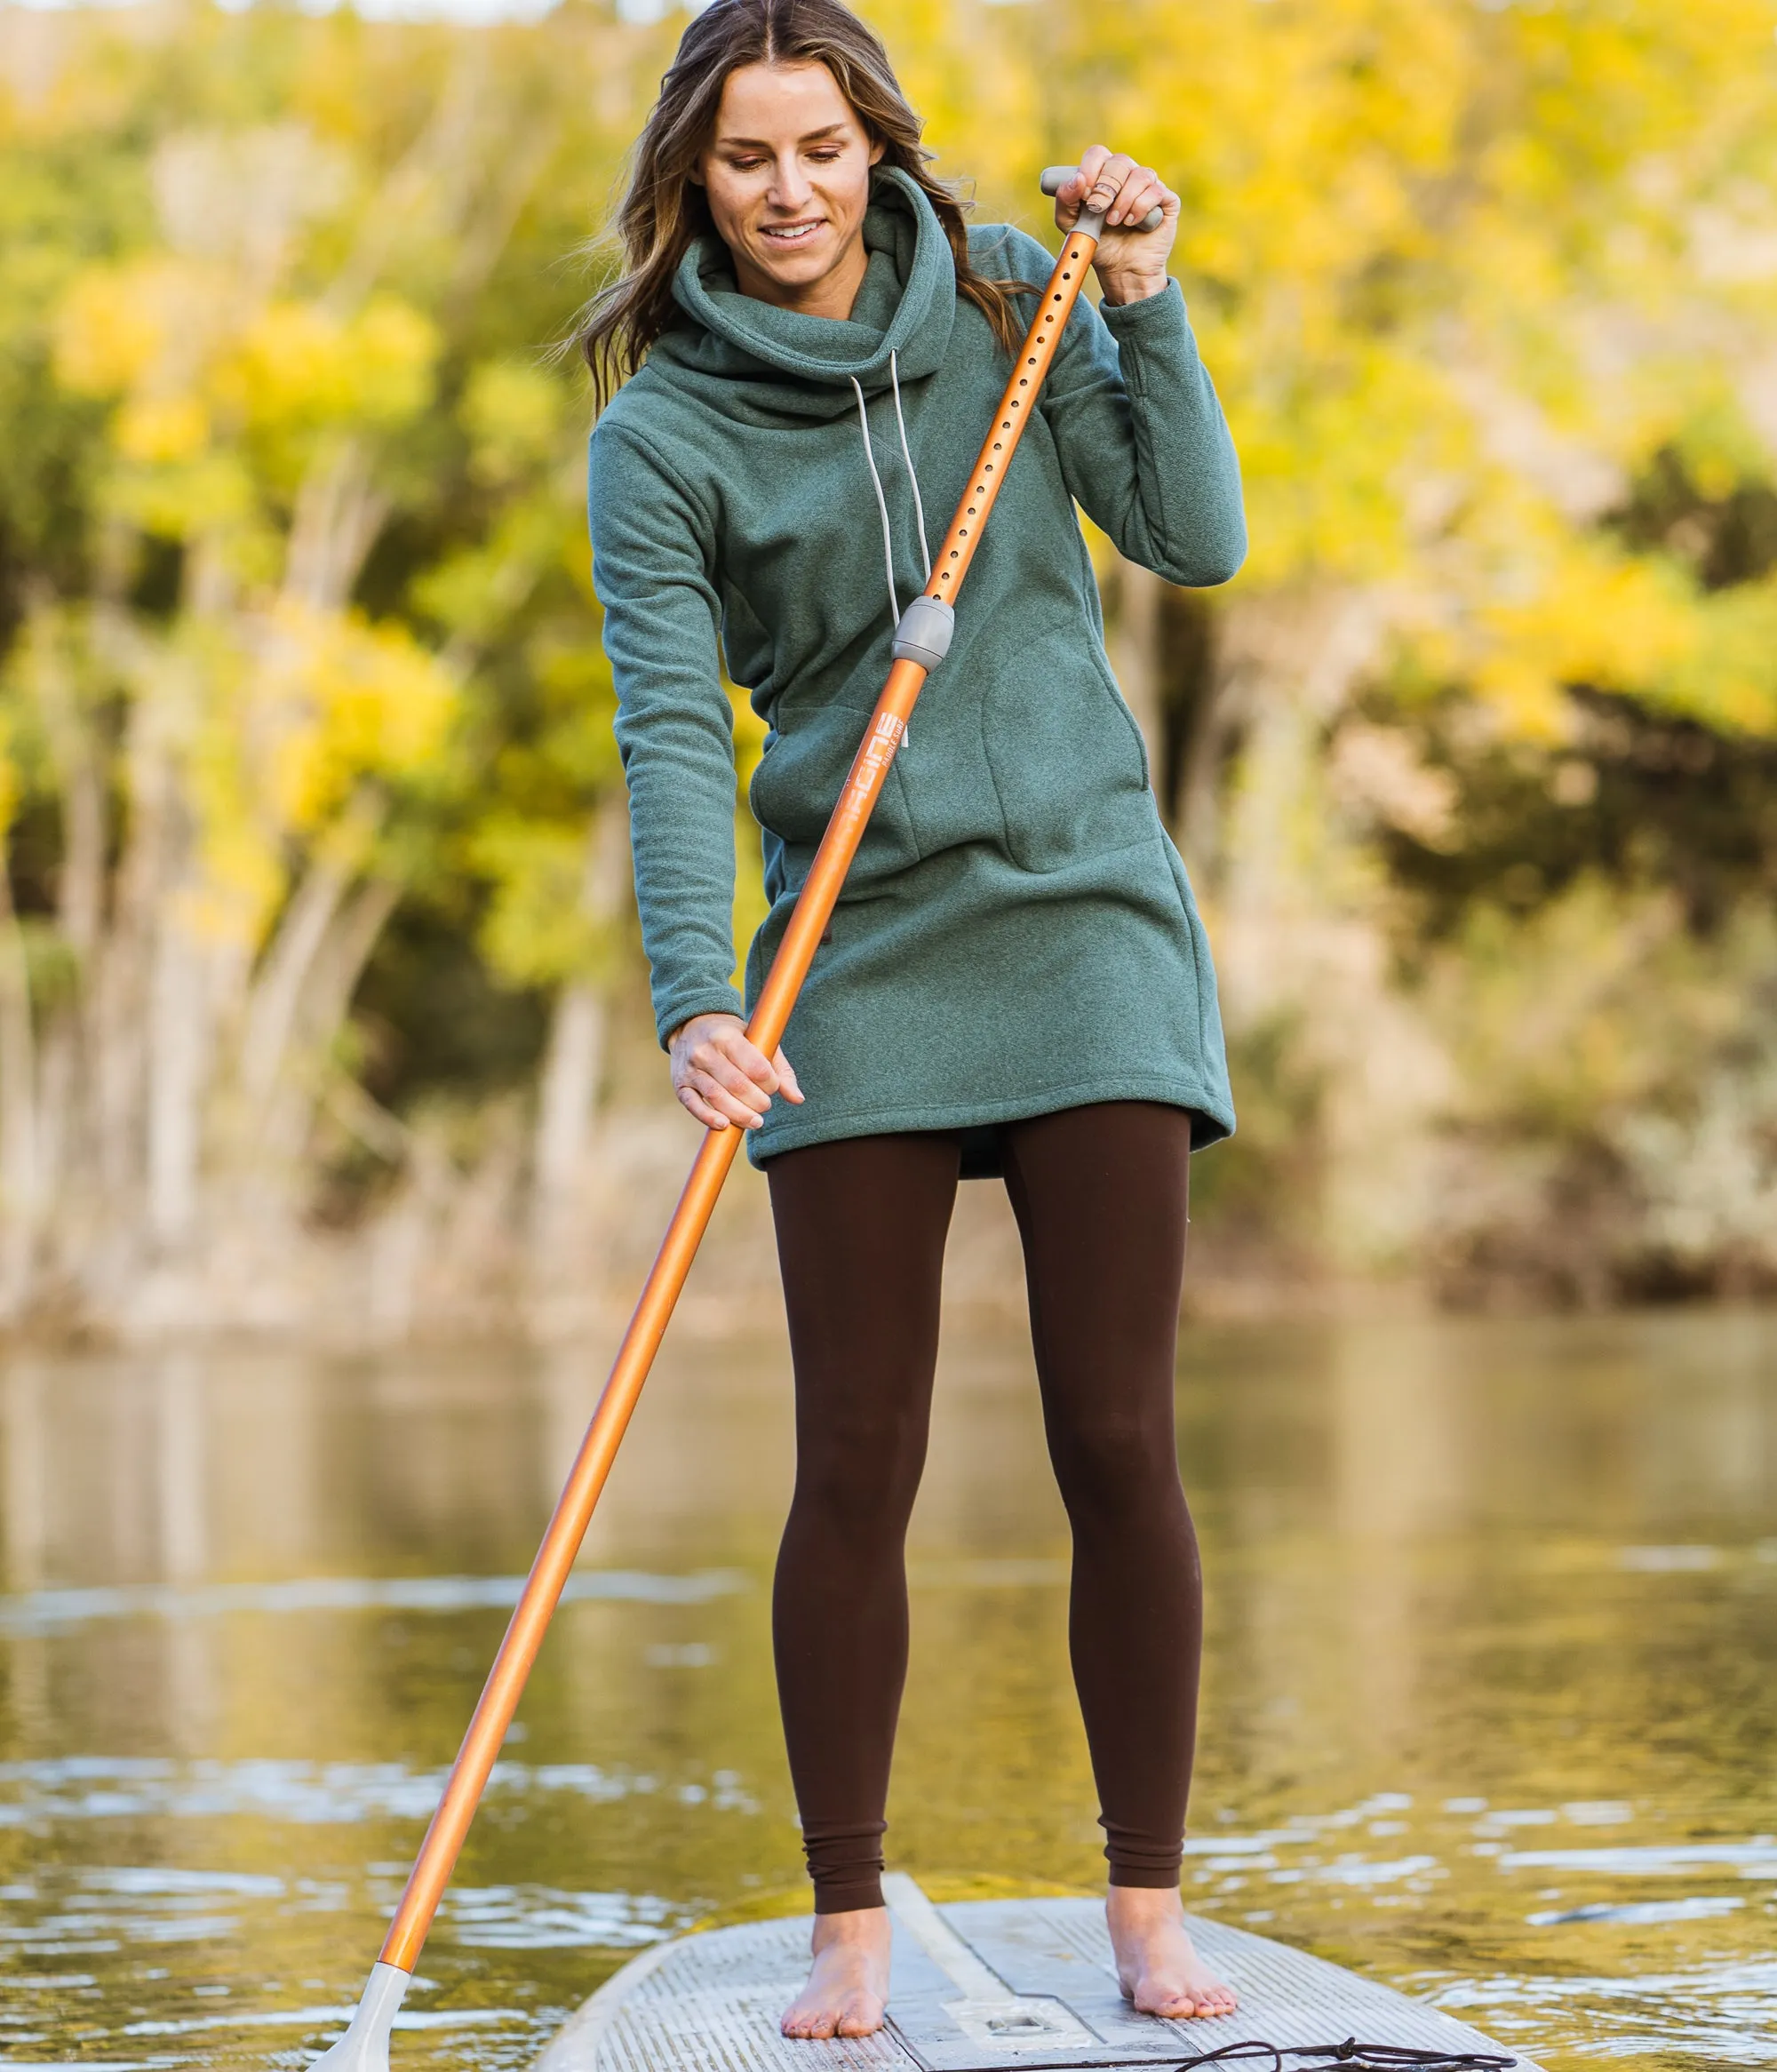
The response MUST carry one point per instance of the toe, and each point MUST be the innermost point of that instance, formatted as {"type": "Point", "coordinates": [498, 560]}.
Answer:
{"type": "Point", "coordinates": [862, 2016]}
{"type": "Point", "coordinates": [1168, 2006]}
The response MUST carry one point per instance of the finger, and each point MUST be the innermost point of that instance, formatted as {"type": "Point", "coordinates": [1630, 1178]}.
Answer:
{"type": "Point", "coordinates": [1107, 182]}
{"type": "Point", "coordinates": [728, 1102]}
{"type": "Point", "coordinates": [1155, 195]}
{"type": "Point", "coordinates": [1071, 195]}
{"type": "Point", "coordinates": [696, 1106]}
{"type": "Point", "coordinates": [737, 1085]}
{"type": "Point", "coordinates": [787, 1081]}
{"type": "Point", "coordinates": [1091, 163]}
{"type": "Point", "coordinates": [1138, 193]}
{"type": "Point", "coordinates": [714, 1063]}
{"type": "Point", "coordinates": [751, 1059]}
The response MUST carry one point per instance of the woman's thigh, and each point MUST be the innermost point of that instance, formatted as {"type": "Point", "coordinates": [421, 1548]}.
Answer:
{"type": "Point", "coordinates": [861, 1227]}
{"type": "Point", "coordinates": [1101, 1194]}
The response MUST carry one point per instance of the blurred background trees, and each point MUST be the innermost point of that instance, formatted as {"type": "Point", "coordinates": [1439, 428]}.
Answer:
{"type": "Point", "coordinates": [319, 998]}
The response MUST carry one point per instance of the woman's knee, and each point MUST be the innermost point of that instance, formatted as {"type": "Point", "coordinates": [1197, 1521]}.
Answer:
{"type": "Point", "coordinates": [860, 1474]}
{"type": "Point", "coordinates": [1117, 1462]}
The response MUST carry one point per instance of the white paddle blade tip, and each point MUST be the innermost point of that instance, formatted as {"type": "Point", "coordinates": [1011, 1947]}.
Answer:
{"type": "Point", "coordinates": [365, 2045]}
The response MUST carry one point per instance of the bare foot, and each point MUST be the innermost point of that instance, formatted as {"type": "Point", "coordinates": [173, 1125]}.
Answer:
{"type": "Point", "coordinates": [848, 1985]}
{"type": "Point", "coordinates": [1157, 1966]}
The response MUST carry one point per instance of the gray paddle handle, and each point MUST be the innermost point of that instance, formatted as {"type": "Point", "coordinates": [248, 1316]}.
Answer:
{"type": "Point", "coordinates": [1090, 221]}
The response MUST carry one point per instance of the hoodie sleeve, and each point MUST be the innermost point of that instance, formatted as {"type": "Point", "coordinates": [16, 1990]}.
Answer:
{"type": "Point", "coordinates": [653, 570]}
{"type": "Point", "coordinates": [1143, 446]}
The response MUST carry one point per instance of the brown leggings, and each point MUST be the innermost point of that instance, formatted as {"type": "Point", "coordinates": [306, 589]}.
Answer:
{"type": "Point", "coordinates": [1100, 1194]}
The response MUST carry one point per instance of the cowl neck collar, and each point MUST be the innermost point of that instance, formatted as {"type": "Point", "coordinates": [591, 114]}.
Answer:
{"type": "Point", "coordinates": [779, 360]}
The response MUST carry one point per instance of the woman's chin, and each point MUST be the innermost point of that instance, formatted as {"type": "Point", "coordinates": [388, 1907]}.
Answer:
{"type": "Point", "coordinates": [794, 266]}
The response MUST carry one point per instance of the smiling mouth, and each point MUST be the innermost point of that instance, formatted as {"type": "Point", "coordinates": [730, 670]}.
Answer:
{"type": "Point", "coordinates": [791, 233]}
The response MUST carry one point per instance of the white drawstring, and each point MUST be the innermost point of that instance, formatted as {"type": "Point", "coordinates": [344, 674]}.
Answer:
{"type": "Point", "coordinates": [919, 508]}
{"type": "Point", "coordinates": [882, 504]}
{"type": "Point", "coordinates": [876, 480]}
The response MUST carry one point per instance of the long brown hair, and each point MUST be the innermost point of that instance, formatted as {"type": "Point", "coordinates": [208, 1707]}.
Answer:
{"type": "Point", "coordinates": [665, 210]}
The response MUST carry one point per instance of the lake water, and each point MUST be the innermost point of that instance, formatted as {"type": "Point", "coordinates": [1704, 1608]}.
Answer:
{"type": "Point", "coordinates": [1488, 1705]}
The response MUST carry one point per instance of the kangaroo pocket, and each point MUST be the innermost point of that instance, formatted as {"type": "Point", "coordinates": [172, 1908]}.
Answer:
{"type": "Point", "coordinates": [1067, 759]}
{"type": "Point", "coordinates": [797, 786]}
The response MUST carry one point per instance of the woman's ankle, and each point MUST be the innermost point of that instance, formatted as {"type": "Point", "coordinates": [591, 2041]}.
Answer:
{"type": "Point", "coordinates": [1138, 1904]}
{"type": "Point", "coordinates": [864, 1925]}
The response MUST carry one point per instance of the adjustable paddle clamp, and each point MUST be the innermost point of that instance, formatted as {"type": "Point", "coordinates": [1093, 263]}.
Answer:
{"type": "Point", "coordinates": [365, 2045]}
{"type": "Point", "coordinates": [923, 635]}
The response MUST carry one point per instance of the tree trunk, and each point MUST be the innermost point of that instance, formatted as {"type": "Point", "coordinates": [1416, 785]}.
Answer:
{"type": "Point", "coordinates": [20, 1203]}
{"type": "Point", "coordinates": [321, 1012]}
{"type": "Point", "coordinates": [567, 1091]}
{"type": "Point", "coordinates": [568, 1087]}
{"type": "Point", "coordinates": [276, 999]}
{"type": "Point", "coordinates": [179, 1051]}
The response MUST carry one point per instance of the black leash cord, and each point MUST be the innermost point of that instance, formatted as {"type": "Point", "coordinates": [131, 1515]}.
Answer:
{"type": "Point", "coordinates": [1382, 2055]}
{"type": "Point", "coordinates": [1229, 2053]}
{"type": "Point", "coordinates": [1359, 2056]}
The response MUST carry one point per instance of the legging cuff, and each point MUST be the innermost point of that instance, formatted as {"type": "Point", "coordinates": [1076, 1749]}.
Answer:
{"type": "Point", "coordinates": [846, 1865]}
{"type": "Point", "coordinates": [1140, 1860]}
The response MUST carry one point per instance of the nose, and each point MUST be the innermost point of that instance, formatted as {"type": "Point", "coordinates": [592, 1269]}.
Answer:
{"type": "Point", "coordinates": [790, 186]}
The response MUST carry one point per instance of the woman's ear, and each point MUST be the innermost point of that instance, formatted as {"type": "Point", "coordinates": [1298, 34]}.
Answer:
{"type": "Point", "coordinates": [877, 148]}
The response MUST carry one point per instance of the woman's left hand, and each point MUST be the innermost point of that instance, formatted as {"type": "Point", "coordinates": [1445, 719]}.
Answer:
{"type": "Point", "coordinates": [1131, 264]}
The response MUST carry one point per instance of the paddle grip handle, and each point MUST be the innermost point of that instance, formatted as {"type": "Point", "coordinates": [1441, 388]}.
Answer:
{"type": "Point", "coordinates": [1091, 220]}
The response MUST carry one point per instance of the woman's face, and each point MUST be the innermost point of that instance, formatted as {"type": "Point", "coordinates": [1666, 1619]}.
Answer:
{"type": "Point", "coordinates": [787, 174]}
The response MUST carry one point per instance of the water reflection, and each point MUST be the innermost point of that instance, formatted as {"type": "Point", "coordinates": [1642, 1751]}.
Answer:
{"type": "Point", "coordinates": [1487, 1710]}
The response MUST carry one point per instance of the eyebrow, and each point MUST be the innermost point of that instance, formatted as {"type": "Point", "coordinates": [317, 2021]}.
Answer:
{"type": "Point", "coordinates": [764, 143]}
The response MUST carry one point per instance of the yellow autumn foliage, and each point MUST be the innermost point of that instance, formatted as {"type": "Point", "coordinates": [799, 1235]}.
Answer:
{"type": "Point", "coordinates": [341, 699]}
{"type": "Point", "coordinates": [113, 328]}
{"type": "Point", "coordinates": [296, 366]}
{"type": "Point", "coordinates": [292, 520]}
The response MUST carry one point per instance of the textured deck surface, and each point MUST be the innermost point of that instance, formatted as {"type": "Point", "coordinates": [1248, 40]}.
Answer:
{"type": "Point", "coordinates": [1017, 1984]}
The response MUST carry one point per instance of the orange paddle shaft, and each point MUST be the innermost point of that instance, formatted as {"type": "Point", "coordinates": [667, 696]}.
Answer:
{"type": "Point", "coordinates": [813, 908]}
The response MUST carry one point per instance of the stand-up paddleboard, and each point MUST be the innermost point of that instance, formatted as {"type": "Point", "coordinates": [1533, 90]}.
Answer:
{"type": "Point", "coordinates": [999, 1986]}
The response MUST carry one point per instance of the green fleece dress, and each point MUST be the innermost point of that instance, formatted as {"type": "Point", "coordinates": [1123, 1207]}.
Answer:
{"type": "Point", "coordinates": [1017, 935]}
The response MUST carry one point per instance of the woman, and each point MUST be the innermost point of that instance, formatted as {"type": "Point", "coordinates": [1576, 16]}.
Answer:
{"type": "Point", "coordinates": [1015, 981]}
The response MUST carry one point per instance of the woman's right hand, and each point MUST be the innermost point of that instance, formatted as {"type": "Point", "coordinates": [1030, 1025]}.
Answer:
{"type": "Point", "coordinates": [720, 1078]}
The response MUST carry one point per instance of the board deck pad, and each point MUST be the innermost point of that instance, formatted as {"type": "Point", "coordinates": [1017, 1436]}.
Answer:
{"type": "Point", "coordinates": [982, 1985]}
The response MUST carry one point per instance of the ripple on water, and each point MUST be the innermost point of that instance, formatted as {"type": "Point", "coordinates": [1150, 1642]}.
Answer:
{"type": "Point", "coordinates": [1494, 1629]}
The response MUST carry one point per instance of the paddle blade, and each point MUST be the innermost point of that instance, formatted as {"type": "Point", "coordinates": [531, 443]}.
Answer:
{"type": "Point", "coordinates": [365, 2045]}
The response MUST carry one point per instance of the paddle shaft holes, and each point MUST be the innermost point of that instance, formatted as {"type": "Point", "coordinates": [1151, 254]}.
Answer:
{"type": "Point", "coordinates": [1006, 427]}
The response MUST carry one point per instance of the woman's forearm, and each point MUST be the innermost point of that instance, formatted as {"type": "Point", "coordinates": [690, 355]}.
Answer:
{"type": "Point", "coordinates": [674, 727]}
